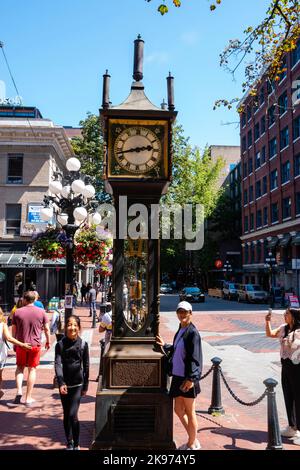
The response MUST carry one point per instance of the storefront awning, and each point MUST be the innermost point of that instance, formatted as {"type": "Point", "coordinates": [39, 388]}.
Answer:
{"type": "Point", "coordinates": [285, 240]}
{"type": "Point", "coordinates": [273, 242]}
{"type": "Point", "coordinates": [296, 239]}
{"type": "Point", "coordinates": [16, 260]}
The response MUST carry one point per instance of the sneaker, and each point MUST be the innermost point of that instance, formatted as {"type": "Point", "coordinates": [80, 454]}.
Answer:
{"type": "Point", "coordinates": [195, 446]}
{"type": "Point", "coordinates": [289, 431]}
{"type": "Point", "coordinates": [69, 447]}
{"type": "Point", "coordinates": [17, 400]}
{"type": "Point", "coordinates": [182, 447]}
{"type": "Point", "coordinates": [77, 448]}
{"type": "Point", "coordinates": [297, 441]}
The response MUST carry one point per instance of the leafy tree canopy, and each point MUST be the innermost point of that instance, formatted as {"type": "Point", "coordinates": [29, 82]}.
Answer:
{"type": "Point", "coordinates": [263, 46]}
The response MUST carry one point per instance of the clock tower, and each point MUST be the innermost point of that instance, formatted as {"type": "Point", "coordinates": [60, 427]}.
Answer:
{"type": "Point", "coordinates": [133, 409]}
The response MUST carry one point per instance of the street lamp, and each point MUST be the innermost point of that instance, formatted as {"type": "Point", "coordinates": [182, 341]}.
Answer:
{"type": "Point", "coordinates": [270, 263]}
{"type": "Point", "coordinates": [71, 202]}
{"type": "Point", "coordinates": [228, 268]}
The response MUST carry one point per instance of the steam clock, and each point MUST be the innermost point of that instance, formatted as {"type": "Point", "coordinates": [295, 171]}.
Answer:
{"type": "Point", "coordinates": [133, 409]}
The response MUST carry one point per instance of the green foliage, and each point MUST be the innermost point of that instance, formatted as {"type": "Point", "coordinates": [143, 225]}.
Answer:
{"type": "Point", "coordinates": [89, 150]}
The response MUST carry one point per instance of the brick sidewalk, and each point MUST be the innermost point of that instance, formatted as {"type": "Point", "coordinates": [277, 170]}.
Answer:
{"type": "Point", "coordinates": [41, 427]}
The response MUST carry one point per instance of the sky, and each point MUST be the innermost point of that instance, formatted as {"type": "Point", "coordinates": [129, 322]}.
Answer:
{"type": "Point", "coordinates": [59, 50]}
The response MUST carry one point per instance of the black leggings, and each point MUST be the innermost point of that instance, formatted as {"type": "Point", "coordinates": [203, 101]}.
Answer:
{"type": "Point", "coordinates": [70, 403]}
{"type": "Point", "coordinates": [290, 379]}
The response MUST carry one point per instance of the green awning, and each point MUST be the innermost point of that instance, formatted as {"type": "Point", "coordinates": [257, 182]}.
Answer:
{"type": "Point", "coordinates": [296, 239]}
{"type": "Point", "coordinates": [273, 242]}
{"type": "Point", "coordinates": [15, 260]}
{"type": "Point", "coordinates": [285, 240]}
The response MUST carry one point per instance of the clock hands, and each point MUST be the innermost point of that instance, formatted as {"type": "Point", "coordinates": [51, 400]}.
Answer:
{"type": "Point", "coordinates": [137, 149]}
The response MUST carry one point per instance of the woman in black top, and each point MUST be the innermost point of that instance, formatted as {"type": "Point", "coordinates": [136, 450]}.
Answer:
{"type": "Point", "coordinates": [72, 373]}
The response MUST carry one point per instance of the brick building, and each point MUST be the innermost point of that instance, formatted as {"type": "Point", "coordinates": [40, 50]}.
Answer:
{"type": "Point", "coordinates": [270, 158]}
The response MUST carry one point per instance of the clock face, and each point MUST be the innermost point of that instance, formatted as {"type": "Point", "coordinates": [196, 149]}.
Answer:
{"type": "Point", "coordinates": [137, 149]}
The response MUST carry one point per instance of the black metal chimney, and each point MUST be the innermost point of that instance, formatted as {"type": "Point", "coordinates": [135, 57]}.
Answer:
{"type": "Point", "coordinates": [138, 59]}
{"type": "Point", "coordinates": [105, 93]}
{"type": "Point", "coordinates": [170, 83]}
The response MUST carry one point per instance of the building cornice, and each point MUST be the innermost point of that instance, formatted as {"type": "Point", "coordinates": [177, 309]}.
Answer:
{"type": "Point", "coordinates": [268, 230]}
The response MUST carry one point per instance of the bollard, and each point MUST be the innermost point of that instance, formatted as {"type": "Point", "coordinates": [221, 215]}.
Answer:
{"type": "Point", "coordinates": [94, 319]}
{"type": "Point", "coordinates": [274, 437]}
{"type": "Point", "coordinates": [102, 345]}
{"type": "Point", "coordinates": [216, 399]}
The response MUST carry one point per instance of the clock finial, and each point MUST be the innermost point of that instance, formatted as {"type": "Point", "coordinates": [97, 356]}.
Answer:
{"type": "Point", "coordinates": [170, 83]}
{"type": "Point", "coordinates": [105, 92]}
{"type": "Point", "coordinates": [138, 59]}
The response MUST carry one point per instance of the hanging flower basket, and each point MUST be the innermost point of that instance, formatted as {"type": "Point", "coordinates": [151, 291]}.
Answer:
{"type": "Point", "coordinates": [89, 248]}
{"type": "Point", "coordinates": [46, 245]}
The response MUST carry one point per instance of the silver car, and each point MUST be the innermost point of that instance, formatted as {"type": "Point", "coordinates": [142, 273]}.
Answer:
{"type": "Point", "coordinates": [252, 293]}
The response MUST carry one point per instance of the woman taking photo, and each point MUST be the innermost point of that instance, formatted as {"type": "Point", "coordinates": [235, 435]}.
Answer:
{"type": "Point", "coordinates": [72, 374]}
{"type": "Point", "coordinates": [289, 336]}
{"type": "Point", "coordinates": [186, 368]}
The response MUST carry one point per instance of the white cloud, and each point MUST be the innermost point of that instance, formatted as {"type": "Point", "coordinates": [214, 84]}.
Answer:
{"type": "Point", "coordinates": [157, 57]}
{"type": "Point", "coordinates": [190, 38]}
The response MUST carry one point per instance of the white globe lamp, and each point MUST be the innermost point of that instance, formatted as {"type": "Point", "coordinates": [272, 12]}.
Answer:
{"type": "Point", "coordinates": [89, 191]}
{"type": "Point", "coordinates": [46, 213]}
{"type": "Point", "coordinates": [96, 218]}
{"type": "Point", "coordinates": [78, 186]}
{"type": "Point", "coordinates": [80, 213]}
{"type": "Point", "coordinates": [62, 219]}
{"type": "Point", "coordinates": [55, 187]}
{"type": "Point", "coordinates": [66, 190]}
{"type": "Point", "coordinates": [73, 164]}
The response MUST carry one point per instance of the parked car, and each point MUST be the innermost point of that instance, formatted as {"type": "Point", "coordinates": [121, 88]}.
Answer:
{"type": "Point", "coordinates": [230, 290]}
{"type": "Point", "coordinates": [252, 293]}
{"type": "Point", "coordinates": [192, 294]}
{"type": "Point", "coordinates": [166, 289]}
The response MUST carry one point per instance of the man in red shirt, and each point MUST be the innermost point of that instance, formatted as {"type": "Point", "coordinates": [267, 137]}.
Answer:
{"type": "Point", "coordinates": [28, 323]}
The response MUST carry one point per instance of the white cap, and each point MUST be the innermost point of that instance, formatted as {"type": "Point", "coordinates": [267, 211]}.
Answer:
{"type": "Point", "coordinates": [185, 306]}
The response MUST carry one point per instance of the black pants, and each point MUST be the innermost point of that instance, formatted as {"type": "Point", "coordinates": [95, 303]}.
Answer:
{"type": "Point", "coordinates": [290, 379]}
{"type": "Point", "coordinates": [70, 403]}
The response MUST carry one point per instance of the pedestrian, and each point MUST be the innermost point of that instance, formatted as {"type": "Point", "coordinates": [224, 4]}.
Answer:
{"type": "Point", "coordinates": [72, 373]}
{"type": "Point", "coordinates": [27, 325]}
{"type": "Point", "coordinates": [106, 325]}
{"type": "Point", "coordinates": [92, 301]}
{"type": "Point", "coordinates": [19, 304]}
{"type": "Point", "coordinates": [4, 337]}
{"type": "Point", "coordinates": [37, 302]}
{"type": "Point", "coordinates": [83, 292]}
{"type": "Point", "coordinates": [185, 368]}
{"type": "Point", "coordinates": [289, 336]}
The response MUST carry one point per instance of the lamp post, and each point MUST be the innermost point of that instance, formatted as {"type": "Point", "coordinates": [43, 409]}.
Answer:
{"type": "Point", "coordinates": [270, 263]}
{"type": "Point", "coordinates": [71, 202]}
{"type": "Point", "coordinates": [228, 268]}
{"type": "Point", "coordinates": [24, 258]}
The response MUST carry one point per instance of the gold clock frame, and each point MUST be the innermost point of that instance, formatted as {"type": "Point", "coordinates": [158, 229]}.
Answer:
{"type": "Point", "coordinates": [142, 123]}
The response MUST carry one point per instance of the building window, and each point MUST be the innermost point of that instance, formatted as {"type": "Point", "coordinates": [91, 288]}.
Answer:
{"type": "Point", "coordinates": [286, 207]}
{"type": "Point", "coordinates": [297, 203]}
{"type": "Point", "coordinates": [258, 219]}
{"type": "Point", "coordinates": [274, 212]}
{"type": "Point", "coordinates": [15, 168]}
{"type": "Point", "coordinates": [271, 115]}
{"type": "Point", "coordinates": [283, 103]}
{"type": "Point", "coordinates": [257, 160]}
{"type": "Point", "coordinates": [243, 119]}
{"type": "Point", "coordinates": [249, 112]}
{"type": "Point", "coordinates": [263, 155]}
{"type": "Point", "coordinates": [250, 193]}
{"type": "Point", "coordinates": [245, 196]}
{"type": "Point", "coordinates": [261, 96]}
{"type": "Point", "coordinates": [270, 86]}
{"type": "Point", "coordinates": [13, 219]}
{"type": "Point", "coordinates": [246, 226]}
{"type": "Point", "coordinates": [251, 221]}
{"type": "Point", "coordinates": [263, 125]}
{"type": "Point", "coordinates": [256, 131]}
{"type": "Point", "coordinates": [245, 174]}
{"type": "Point", "coordinates": [284, 138]}
{"type": "Point", "coordinates": [296, 128]}
{"type": "Point", "coordinates": [249, 138]}
{"type": "Point", "coordinates": [246, 254]}
{"type": "Point", "coordinates": [250, 166]}
{"type": "Point", "coordinates": [285, 172]}
{"type": "Point", "coordinates": [258, 252]}
{"type": "Point", "coordinates": [296, 54]}
{"type": "Point", "coordinates": [258, 189]}
{"type": "Point", "coordinates": [273, 147]}
{"type": "Point", "coordinates": [297, 165]}
{"type": "Point", "coordinates": [265, 215]}
{"type": "Point", "coordinates": [244, 144]}
{"type": "Point", "coordinates": [274, 179]}
{"type": "Point", "coordinates": [252, 251]}
{"type": "Point", "coordinates": [265, 185]}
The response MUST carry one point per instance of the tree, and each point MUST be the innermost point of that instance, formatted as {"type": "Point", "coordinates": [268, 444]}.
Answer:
{"type": "Point", "coordinates": [264, 46]}
{"type": "Point", "coordinates": [89, 150]}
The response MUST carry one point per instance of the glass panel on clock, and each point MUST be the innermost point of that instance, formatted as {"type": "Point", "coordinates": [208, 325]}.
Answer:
{"type": "Point", "coordinates": [135, 302]}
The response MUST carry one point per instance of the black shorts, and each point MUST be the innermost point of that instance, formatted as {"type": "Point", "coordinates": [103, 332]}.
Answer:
{"type": "Point", "coordinates": [175, 388]}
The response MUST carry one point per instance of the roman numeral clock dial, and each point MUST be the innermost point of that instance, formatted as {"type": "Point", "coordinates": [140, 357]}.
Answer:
{"type": "Point", "coordinates": [138, 150]}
